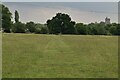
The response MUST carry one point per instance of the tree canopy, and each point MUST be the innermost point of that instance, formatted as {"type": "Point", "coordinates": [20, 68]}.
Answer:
{"type": "Point", "coordinates": [6, 19]}
{"type": "Point", "coordinates": [16, 16]}
{"type": "Point", "coordinates": [19, 27]}
{"type": "Point", "coordinates": [30, 26]}
{"type": "Point", "coordinates": [61, 23]}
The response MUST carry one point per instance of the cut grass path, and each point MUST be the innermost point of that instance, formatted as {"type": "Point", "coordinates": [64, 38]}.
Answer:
{"type": "Point", "coordinates": [56, 44]}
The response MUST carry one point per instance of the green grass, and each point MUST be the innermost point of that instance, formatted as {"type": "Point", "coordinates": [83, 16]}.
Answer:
{"type": "Point", "coordinates": [59, 56]}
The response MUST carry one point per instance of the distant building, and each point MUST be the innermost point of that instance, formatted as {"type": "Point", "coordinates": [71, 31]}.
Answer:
{"type": "Point", "coordinates": [107, 20]}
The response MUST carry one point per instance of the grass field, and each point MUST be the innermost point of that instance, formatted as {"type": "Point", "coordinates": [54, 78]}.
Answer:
{"type": "Point", "coordinates": [59, 56]}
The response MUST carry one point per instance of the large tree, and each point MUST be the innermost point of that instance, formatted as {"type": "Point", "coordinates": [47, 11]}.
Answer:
{"type": "Point", "coordinates": [6, 19]}
{"type": "Point", "coordinates": [61, 23]}
{"type": "Point", "coordinates": [16, 16]}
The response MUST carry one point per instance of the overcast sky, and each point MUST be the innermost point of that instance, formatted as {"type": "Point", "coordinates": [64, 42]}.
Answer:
{"type": "Point", "coordinates": [85, 12]}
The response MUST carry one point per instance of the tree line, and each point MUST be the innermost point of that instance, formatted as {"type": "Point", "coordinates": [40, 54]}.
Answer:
{"type": "Point", "coordinates": [59, 24]}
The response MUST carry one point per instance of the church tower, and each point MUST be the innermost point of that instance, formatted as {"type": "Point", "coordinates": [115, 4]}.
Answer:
{"type": "Point", "coordinates": [107, 20]}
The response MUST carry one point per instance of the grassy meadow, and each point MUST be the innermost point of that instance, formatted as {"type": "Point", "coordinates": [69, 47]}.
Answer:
{"type": "Point", "coordinates": [59, 56]}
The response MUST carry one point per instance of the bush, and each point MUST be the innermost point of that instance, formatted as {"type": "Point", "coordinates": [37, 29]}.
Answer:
{"type": "Point", "coordinates": [30, 26]}
{"type": "Point", "coordinates": [81, 28]}
{"type": "Point", "coordinates": [41, 29]}
{"type": "Point", "coordinates": [18, 27]}
{"type": "Point", "coordinates": [112, 30]}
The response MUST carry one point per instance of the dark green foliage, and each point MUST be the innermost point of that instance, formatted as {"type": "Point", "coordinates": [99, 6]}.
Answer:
{"type": "Point", "coordinates": [90, 28]}
{"type": "Point", "coordinates": [61, 23]}
{"type": "Point", "coordinates": [113, 30]}
{"type": "Point", "coordinates": [81, 28]}
{"type": "Point", "coordinates": [30, 26]}
{"type": "Point", "coordinates": [41, 29]}
{"type": "Point", "coordinates": [16, 16]}
{"type": "Point", "coordinates": [99, 29]}
{"type": "Point", "coordinates": [6, 19]}
{"type": "Point", "coordinates": [18, 27]}
{"type": "Point", "coordinates": [118, 29]}
{"type": "Point", "coordinates": [44, 29]}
